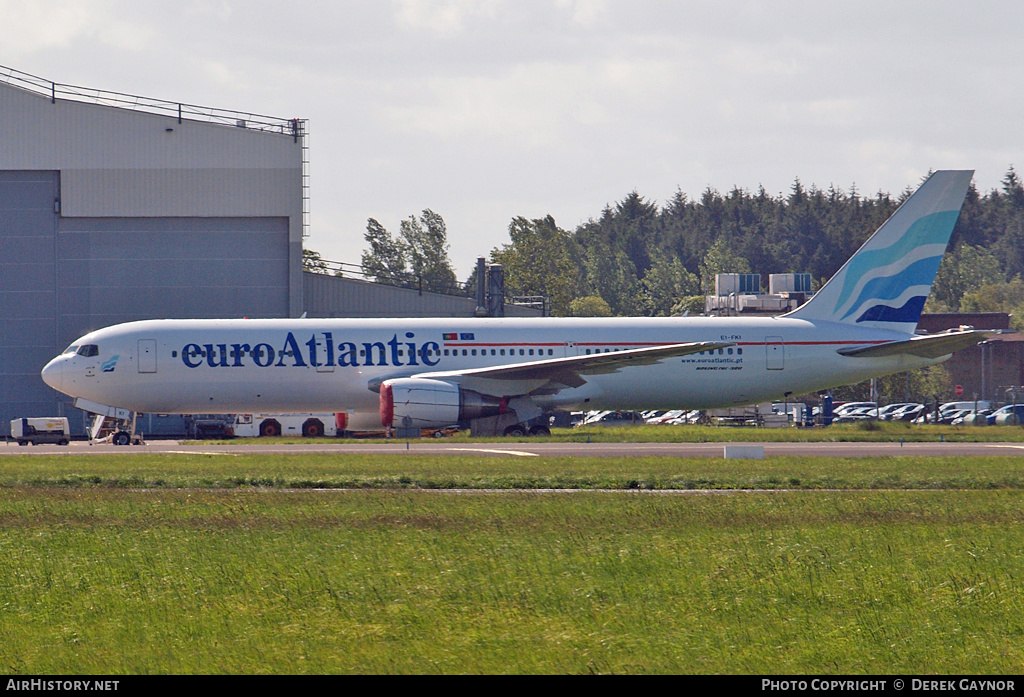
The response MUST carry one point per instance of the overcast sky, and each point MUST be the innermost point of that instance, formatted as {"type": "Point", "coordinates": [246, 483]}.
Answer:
{"type": "Point", "coordinates": [482, 110]}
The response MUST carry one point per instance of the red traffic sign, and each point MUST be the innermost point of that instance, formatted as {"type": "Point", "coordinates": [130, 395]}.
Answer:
{"type": "Point", "coordinates": [959, 390]}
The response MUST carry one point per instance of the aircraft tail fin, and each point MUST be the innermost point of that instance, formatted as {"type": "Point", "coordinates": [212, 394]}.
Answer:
{"type": "Point", "coordinates": [885, 284]}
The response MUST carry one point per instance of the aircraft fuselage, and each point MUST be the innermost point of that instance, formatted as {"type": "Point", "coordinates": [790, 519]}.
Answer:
{"type": "Point", "coordinates": [316, 365]}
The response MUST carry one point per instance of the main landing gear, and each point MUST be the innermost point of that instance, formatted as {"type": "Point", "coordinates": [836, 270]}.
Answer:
{"type": "Point", "coordinates": [508, 424]}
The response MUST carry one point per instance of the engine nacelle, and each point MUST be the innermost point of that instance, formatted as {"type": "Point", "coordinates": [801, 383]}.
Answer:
{"type": "Point", "coordinates": [431, 403]}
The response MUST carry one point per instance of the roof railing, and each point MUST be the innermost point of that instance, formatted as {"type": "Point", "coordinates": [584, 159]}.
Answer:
{"type": "Point", "coordinates": [399, 279]}
{"type": "Point", "coordinates": [178, 110]}
{"type": "Point", "coordinates": [326, 267]}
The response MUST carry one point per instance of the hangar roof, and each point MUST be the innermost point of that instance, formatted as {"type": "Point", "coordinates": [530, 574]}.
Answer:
{"type": "Point", "coordinates": [179, 110]}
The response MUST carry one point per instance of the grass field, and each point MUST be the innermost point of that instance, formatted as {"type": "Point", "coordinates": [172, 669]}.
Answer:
{"type": "Point", "coordinates": [148, 564]}
{"type": "Point", "coordinates": [334, 471]}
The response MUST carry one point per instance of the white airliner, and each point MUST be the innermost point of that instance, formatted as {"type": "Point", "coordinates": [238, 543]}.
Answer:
{"type": "Point", "coordinates": [502, 373]}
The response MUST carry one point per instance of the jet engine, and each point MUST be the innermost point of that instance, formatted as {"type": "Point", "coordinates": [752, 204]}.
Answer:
{"type": "Point", "coordinates": [431, 403]}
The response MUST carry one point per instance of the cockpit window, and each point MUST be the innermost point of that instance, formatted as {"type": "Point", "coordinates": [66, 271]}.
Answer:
{"type": "Point", "coordinates": [89, 350]}
{"type": "Point", "coordinates": [73, 348]}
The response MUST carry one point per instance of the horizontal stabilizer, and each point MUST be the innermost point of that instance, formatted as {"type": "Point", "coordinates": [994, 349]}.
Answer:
{"type": "Point", "coordinates": [931, 346]}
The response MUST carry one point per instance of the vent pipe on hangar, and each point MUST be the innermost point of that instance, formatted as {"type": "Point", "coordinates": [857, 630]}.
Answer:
{"type": "Point", "coordinates": [490, 289]}
{"type": "Point", "coordinates": [495, 290]}
{"type": "Point", "coordinates": [481, 287]}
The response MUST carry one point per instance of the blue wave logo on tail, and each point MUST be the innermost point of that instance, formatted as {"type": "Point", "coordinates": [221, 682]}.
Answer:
{"type": "Point", "coordinates": [885, 284]}
{"type": "Point", "coordinates": [892, 284]}
{"type": "Point", "coordinates": [108, 366]}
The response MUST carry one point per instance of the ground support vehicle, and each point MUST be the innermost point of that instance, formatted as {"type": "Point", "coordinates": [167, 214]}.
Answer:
{"type": "Point", "coordinates": [209, 426]}
{"type": "Point", "coordinates": [752, 415]}
{"type": "Point", "coordinates": [41, 430]}
{"type": "Point", "coordinates": [272, 425]}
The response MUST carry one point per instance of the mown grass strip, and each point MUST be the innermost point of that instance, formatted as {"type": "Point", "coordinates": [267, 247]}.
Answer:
{"type": "Point", "coordinates": [357, 471]}
{"type": "Point", "coordinates": [107, 581]}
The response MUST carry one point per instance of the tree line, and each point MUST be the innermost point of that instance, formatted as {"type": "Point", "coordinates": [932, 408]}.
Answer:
{"type": "Point", "coordinates": [641, 259]}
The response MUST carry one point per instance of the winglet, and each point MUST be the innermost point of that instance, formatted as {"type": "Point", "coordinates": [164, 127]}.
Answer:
{"type": "Point", "coordinates": [885, 284]}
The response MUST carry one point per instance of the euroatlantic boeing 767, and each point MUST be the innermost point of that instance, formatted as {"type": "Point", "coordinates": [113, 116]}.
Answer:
{"type": "Point", "coordinates": [501, 373]}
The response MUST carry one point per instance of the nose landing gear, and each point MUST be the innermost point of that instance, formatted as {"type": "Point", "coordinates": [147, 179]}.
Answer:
{"type": "Point", "coordinates": [116, 431]}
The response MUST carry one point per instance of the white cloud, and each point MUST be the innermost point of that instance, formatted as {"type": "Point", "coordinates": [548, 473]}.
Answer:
{"type": "Point", "coordinates": [32, 27]}
{"type": "Point", "coordinates": [586, 13]}
{"type": "Point", "coordinates": [443, 18]}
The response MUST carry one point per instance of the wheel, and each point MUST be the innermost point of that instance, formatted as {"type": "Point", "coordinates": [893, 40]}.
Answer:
{"type": "Point", "coordinates": [22, 442]}
{"type": "Point", "coordinates": [121, 438]}
{"type": "Point", "coordinates": [64, 442]}
{"type": "Point", "coordinates": [516, 431]}
{"type": "Point", "coordinates": [314, 428]}
{"type": "Point", "coordinates": [540, 431]}
{"type": "Point", "coordinates": [270, 429]}
{"type": "Point", "coordinates": [438, 433]}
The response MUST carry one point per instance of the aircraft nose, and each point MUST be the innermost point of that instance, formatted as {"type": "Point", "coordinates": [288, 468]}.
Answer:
{"type": "Point", "coordinates": [53, 372]}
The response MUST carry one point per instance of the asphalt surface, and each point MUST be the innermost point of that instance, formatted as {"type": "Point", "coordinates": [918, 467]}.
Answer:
{"type": "Point", "coordinates": [534, 448]}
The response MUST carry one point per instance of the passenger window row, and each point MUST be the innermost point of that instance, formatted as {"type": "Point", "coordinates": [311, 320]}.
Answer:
{"type": "Point", "coordinates": [499, 352]}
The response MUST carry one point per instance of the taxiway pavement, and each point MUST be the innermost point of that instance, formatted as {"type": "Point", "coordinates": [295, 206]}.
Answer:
{"type": "Point", "coordinates": [533, 448]}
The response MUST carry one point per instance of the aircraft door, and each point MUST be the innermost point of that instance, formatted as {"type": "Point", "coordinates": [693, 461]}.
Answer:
{"type": "Point", "coordinates": [776, 352]}
{"type": "Point", "coordinates": [147, 355]}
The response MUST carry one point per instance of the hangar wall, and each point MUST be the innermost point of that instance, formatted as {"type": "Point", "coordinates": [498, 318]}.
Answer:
{"type": "Point", "coordinates": [333, 296]}
{"type": "Point", "coordinates": [109, 214]}
{"type": "Point", "coordinates": [28, 292]}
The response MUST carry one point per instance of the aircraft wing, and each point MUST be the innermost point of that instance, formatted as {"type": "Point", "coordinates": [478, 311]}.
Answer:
{"type": "Point", "coordinates": [928, 346]}
{"type": "Point", "coordinates": [553, 374]}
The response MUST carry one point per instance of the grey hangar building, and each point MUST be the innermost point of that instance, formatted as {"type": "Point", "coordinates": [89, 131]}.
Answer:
{"type": "Point", "coordinates": [116, 208]}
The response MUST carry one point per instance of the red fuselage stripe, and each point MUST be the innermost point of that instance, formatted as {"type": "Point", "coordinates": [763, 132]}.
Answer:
{"type": "Point", "coordinates": [664, 343]}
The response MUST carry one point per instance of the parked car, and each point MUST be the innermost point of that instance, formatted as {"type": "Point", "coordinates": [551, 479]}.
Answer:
{"type": "Point", "coordinates": [909, 413]}
{"type": "Point", "coordinates": [687, 417]}
{"type": "Point", "coordinates": [889, 411]}
{"type": "Point", "coordinates": [848, 407]}
{"type": "Point", "coordinates": [621, 418]}
{"type": "Point", "coordinates": [947, 412]}
{"type": "Point", "coordinates": [951, 415]}
{"type": "Point", "coordinates": [616, 418]}
{"type": "Point", "coordinates": [666, 416]}
{"type": "Point", "coordinates": [592, 417]}
{"type": "Point", "coordinates": [857, 414]}
{"type": "Point", "coordinates": [972, 418]}
{"type": "Point", "coordinates": [970, 404]}
{"type": "Point", "coordinates": [1010, 415]}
